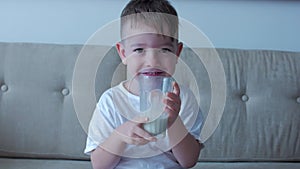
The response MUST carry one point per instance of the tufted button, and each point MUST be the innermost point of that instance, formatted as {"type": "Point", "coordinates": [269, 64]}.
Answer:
{"type": "Point", "coordinates": [244, 98]}
{"type": "Point", "coordinates": [4, 88]}
{"type": "Point", "coordinates": [298, 100]}
{"type": "Point", "coordinates": [65, 91]}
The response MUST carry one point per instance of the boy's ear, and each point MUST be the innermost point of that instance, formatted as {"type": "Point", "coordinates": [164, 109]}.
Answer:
{"type": "Point", "coordinates": [179, 49]}
{"type": "Point", "coordinates": [121, 52]}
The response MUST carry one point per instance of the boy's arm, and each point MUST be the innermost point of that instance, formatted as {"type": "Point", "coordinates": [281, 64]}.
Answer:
{"type": "Point", "coordinates": [102, 158]}
{"type": "Point", "coordinates": [187, 148]}
{"type": "Point", "coordinates": [108, 154]}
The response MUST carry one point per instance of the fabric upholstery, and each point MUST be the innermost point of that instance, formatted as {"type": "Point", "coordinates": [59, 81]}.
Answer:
{"type": "Point", "coordinates": [43, 163]}
{"type": "Point", "coordinates": [245, 165]}
{"type": "Point", "coordinates": [39, 126]}
{"type": "Point", "coordinates": [261, 119]}
{"type": "Point", "coordinates": [37, 117]}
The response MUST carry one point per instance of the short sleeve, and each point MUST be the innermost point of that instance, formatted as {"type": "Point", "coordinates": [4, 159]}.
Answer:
{"type": "Point", "coordinates": [101, 124]}
{"type": "Point", "coordinates": [190, 113]}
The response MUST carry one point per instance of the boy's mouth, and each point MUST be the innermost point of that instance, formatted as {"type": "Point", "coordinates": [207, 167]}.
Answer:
{"type": "Point", "coordinates": [153, 72]}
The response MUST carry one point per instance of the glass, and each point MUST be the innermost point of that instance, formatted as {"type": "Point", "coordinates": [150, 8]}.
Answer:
{"type": "Point", "coordinates": [152, 92]}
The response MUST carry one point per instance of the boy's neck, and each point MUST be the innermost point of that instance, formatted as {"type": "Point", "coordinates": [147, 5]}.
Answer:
{"type": "Point", "coordinates": [132, 87]}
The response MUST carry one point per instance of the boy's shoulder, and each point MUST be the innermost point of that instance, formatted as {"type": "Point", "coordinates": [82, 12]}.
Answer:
{"type": "Point", "coordinates": [112, 88]}
{"type": "Point", "coordinates": [113, 92]}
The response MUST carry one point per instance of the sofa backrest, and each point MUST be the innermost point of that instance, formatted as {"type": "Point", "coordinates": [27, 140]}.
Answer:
{"type": "Point", "coordinates": [37, 116]}
{"type": "Point", "coordinates": [261, 118]}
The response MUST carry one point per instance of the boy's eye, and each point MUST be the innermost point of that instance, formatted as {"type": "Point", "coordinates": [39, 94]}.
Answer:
{"type": "Point", "coordinates": [165, 50]}
{"type": "Point", "coordinates": [138, 50]}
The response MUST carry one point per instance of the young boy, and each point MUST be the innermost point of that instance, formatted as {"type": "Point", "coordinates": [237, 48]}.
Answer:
{"type": "Point", "coordinates": [116, 138]}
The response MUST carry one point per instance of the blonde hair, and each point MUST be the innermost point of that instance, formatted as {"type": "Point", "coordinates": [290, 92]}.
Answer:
{"type": "Point", "coordinates": [159, 14]}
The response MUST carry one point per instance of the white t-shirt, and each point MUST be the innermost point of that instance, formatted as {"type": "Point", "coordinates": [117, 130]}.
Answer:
{"type": "Point", "coordinates": [117, 105]}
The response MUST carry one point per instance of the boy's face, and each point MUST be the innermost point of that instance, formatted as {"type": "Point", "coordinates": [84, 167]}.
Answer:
{"type": "Point", "coordinates": [147, 52]}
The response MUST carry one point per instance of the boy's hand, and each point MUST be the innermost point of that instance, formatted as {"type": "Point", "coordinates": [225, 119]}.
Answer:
{"type": "Point", "coordinates": [132, 132]}
{"type": "Point", "coordinates": [173, 103]}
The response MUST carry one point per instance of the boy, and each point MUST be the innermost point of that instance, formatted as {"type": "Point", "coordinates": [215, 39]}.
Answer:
{"type": "Point", "coordinates": [117, 139]}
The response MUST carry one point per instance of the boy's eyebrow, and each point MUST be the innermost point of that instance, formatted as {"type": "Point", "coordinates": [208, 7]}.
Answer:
{"type": "Point", "coordinates": [137, 44]}
{"type": "Point", "coordinates": [169, 44]}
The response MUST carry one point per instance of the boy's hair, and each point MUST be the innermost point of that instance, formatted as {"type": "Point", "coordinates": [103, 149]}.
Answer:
{"type": "Point", "coordinates": [159, 14]}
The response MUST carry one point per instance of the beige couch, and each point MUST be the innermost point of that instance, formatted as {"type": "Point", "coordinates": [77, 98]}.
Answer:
{"type": "Point", "coordinates": [39, 127]}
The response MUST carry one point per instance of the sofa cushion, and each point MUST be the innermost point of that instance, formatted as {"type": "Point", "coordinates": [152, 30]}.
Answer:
{"type": "Point", "coordinates": [9, 163]}
{"type": "Point", "coordinates": [246, 165]}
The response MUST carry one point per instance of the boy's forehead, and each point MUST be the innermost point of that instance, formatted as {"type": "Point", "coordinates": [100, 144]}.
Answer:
{"type": "Point", "coordinates": [132, 30]}
{"type": "Point", "coordinates": [149, 39]}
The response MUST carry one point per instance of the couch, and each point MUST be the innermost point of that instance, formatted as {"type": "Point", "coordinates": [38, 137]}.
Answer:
{"type": "Point", "coordinates": [40, 126]}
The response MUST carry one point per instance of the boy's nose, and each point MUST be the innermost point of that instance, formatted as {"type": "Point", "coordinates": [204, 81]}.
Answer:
{"type": "Point", "coordinates": [152, 57]}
